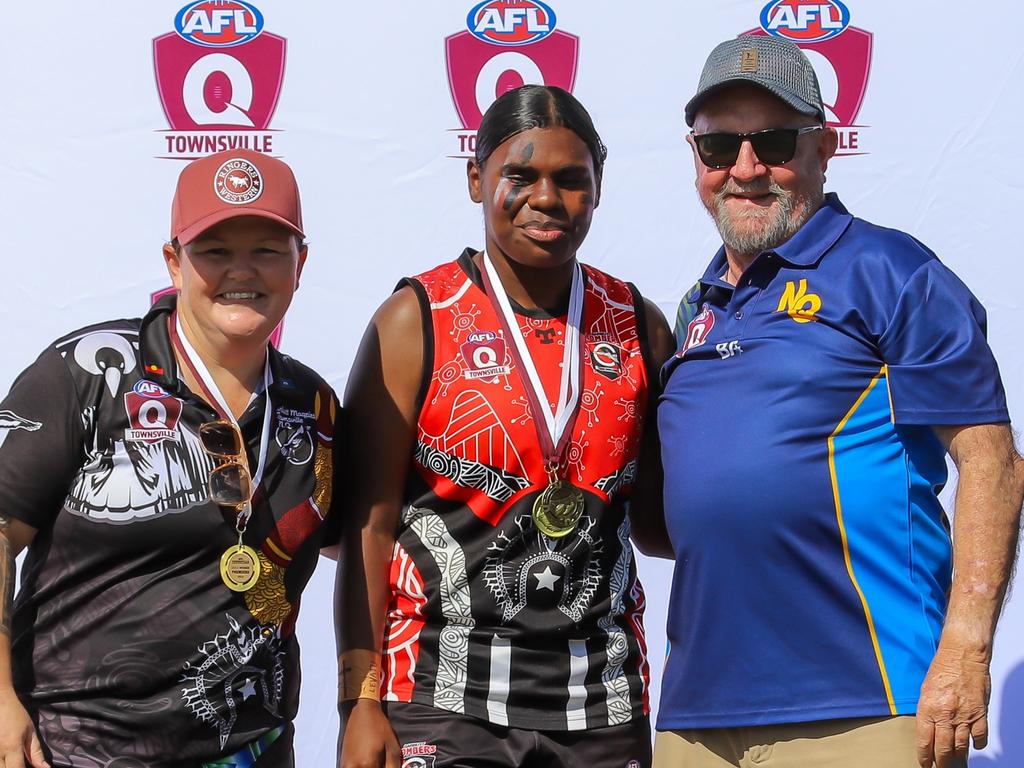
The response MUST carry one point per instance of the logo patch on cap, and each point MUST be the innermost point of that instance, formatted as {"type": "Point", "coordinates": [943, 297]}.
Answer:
{"type": "Point", "coordinates": [748, 60]}
{"type": "Point", "coordinates": [238, 182]}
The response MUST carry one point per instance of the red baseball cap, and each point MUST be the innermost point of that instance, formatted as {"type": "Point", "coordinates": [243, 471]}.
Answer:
{"type": "Point", "coordinates": [235, 182]}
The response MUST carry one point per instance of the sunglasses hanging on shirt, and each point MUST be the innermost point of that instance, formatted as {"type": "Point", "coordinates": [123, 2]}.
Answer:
{"type": "Point", "coordinates": [775, 146]}
{"type": "Point", "coordinates": [230, 485]}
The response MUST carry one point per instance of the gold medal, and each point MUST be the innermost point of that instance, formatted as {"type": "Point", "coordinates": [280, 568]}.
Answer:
{"type": "Point", "coordinates": [558, 509]}
{"type": "Point", "coordinates": [240, 568]}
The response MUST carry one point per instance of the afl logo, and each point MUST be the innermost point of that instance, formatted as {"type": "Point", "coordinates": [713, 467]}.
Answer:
{"type": "Point", "coordinates": [805, 21]}
{"type": "Point", "coordinates": [150, 389]}
{"type": "Point", "coordinates": [219, 23]}
{"type": "Point", "coordinates": [481, 337]}
{"type": "Point", "coordinates": [238, 182]}
{"type": "Point", "coordinates": [511, 22]}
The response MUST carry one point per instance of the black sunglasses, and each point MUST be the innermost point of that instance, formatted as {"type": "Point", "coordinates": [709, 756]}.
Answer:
{"type": "Point", "coordinates": [774, 146]}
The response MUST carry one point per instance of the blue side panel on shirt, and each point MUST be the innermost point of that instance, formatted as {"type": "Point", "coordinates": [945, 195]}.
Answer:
{"type": "Point", "coordinates": [932, 550]}
{"type": "Point", "coordinates": [869, 456]}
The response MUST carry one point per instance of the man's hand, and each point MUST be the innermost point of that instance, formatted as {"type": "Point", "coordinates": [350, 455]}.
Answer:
{"type": "Point", "coordinates": [952, 708]}
{"type": "Point", "coordinates": [368, 741]}
{"type": "Point", "coordinates": [19, 743]}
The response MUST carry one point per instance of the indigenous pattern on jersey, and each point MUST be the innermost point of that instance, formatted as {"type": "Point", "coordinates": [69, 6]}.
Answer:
{"type": "Point", "coordinates": [488, 617]}
{"type": "Point", "coordinates": [802, 471]}
{"type": "Point", "coordinates": [121, 589]}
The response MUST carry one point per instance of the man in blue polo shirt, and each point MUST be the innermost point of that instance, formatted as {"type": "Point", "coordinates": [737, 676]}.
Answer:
{"type": "Point", "coordinates": [825, 368]}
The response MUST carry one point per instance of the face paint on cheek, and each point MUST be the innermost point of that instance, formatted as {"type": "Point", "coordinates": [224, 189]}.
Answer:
{"type": "Point", "coordinates": [510, 198]}
{"type": "Point", "coordinates": [506, 192]}
{"type": "Point", "coordinates": [500, 191]}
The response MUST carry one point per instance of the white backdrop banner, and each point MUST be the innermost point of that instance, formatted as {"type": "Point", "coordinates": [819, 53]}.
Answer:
{"type": "Point", "coordinates": [375, 106]}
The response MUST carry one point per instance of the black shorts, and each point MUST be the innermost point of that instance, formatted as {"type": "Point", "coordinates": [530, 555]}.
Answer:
{"type": "Point", "coordinates": [436, 738]}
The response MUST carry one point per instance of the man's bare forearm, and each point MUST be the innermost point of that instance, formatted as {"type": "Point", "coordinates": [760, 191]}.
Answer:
{"type": "Point", "coordinates": [986, 530]}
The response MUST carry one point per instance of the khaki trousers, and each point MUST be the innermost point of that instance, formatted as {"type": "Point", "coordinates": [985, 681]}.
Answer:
{"type": "Point", "coordinates": [874, 742]}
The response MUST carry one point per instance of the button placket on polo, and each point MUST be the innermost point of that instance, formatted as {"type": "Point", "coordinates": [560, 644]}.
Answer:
{"type": "Point", "coordinates": [746, 295]}
{"type": "Point", "coordinates": [740, 307]}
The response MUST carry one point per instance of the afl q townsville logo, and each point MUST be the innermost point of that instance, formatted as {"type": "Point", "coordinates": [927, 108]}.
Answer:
{"type": "Point", "coordinates": [840, 53]}
{"type": "Point", "coordinates": [506, 44]}
{"type": "Point", "coordinates": [219, 76]}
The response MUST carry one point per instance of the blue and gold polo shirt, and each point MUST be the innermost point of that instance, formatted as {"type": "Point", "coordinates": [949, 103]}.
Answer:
{"type": "Point", "coordinates": [813, 558]}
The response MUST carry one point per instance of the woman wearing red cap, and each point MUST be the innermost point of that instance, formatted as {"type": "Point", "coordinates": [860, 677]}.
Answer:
{"type": "Point", "coordinates": [171, 478]}
{"type": "Point", "coordinates": [501, 427]}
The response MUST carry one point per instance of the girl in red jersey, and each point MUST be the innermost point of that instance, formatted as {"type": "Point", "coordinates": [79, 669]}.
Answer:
{"type": "Point", "coordinates": [505, 454]}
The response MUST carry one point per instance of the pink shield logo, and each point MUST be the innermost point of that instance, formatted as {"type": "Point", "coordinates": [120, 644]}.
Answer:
{"type": "Point", "coordinates": [485, 356]}
{"type": "Point", "coordinates": [479, 72]}
{"type": "Point", "coordinates": [698, 329]}
{"type": "Point", "coordinates": [152, 418]}
{"type": "Point", "coordinates": [232, 88]}
{"type": "Point", "coordinates": [842, 64]}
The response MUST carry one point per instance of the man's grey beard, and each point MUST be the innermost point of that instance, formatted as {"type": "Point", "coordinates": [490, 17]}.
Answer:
{"type": "Point", "coordinates": [779, 223]}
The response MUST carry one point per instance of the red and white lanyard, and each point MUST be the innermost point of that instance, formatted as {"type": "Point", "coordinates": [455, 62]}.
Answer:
{"type": "Point", "coordinates": [554, 436]}
{"type": "Point", "coordinates": [212, 394]}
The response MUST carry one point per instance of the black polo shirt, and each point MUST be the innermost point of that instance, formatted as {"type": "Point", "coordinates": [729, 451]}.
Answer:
{"type": "Point", "coordinates": [126, 643]}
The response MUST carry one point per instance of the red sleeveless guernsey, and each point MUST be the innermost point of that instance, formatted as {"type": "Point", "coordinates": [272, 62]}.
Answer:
{"type": "Point", "coordinates": [488, 617]}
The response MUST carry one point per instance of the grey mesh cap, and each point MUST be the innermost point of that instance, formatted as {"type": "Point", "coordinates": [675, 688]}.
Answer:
{"type": "Point", "coordinates": [776, 65]}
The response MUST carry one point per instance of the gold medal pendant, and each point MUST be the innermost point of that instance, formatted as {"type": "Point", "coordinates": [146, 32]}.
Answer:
{"type": "Point", "coordinates": [240, 568]}
{"type": "Point", "coordinates": [558, 509]}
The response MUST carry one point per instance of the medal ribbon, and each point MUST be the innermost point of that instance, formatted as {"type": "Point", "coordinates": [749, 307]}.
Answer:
{"type": "Point", "coordinates": [557, 431]}
{"type": "Point", "coordinates": [211, 392]}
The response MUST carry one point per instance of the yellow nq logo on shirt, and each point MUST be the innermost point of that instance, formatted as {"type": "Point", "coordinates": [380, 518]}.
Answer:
{"type": "Point", "coordinates": [801, 305]}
